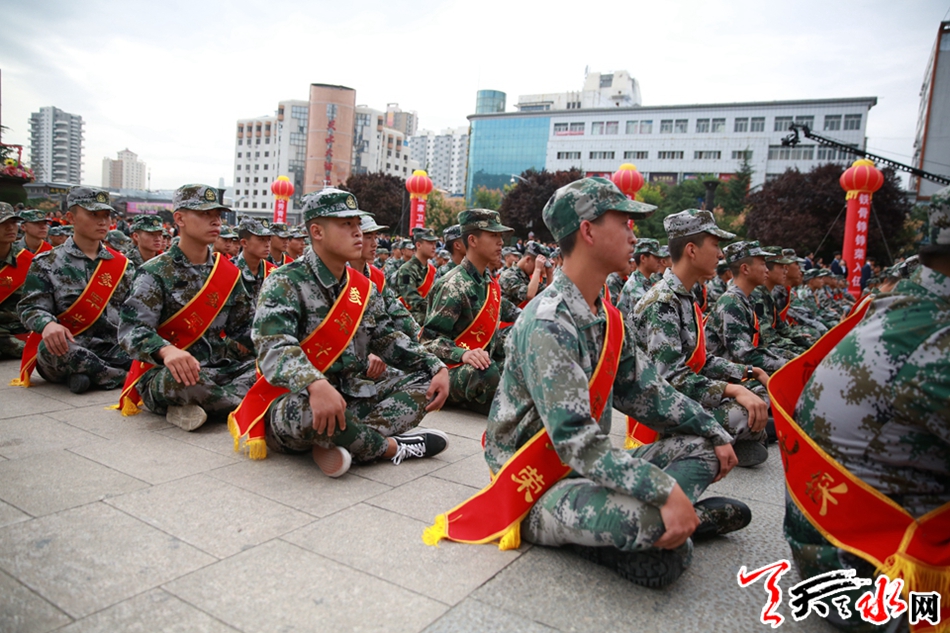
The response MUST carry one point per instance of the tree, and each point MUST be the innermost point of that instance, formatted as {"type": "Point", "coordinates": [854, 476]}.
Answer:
{"type": "Point", "coordinates": [521, 207]}
{"type": "Point", "coordinates": [797, 210]}
{"type": "Point", "coordinates": [442, 211]}
{"type": "Point", "coordinates": [486, 198]}
{"type": "Point", "coordinates": [380, 194]}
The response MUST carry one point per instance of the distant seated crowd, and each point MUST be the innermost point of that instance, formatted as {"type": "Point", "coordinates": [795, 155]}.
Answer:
{"type": "Point", "coordinates": [334, 339]}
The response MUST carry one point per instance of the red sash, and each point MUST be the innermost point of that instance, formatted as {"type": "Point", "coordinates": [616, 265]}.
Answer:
{"type": "Point", "coordinates": [322, 347]}
{"type": "Point", "coordinates": [186, 326]}
{"type": "Point", "coordinates": [12, 277]}
{"type": "Point", "coordinates": [497, 511]}
{"type": "Point", "coordinates": [44, 246]}
{"type": "Point", "coordinates": [838, 504]}
{"type": "Point", "coordinates": [377, 277]}
{"type": "Point", "coordinates": [83, 313]}
{"type": "Point", "coordinates": [755, 326]}
{"type": "Point", "coordinates": [480, 331]}
{"type": "Point", "coordinates": [287, 259]}
{"type": "Point", "coordinates": [640, 434]}
{"type": "Point", "coordinates": [269, 267]}
{"type": "Point", "coordinates": [426, 284]}
{"type": "Point", "coordinates": [783, 314]}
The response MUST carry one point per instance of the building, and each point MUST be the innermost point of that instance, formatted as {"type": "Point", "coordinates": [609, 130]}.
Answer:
{"type": "Point", "coordinates": [932, 142]}
{"type": "Point", "coordinates": [378, 148]}
{"type": "Point", "coordinates": [127, 172]}
{"type": "Point", "coordinates": [56, 146]}
{"type": "Point", "coordinates": [332, 114]}
{"type": "Point", "coordinates": [668, 144]}
{"type": "Point", "coordinates": [293, 119]}
{"type": "Point", "coordinates": [444, 156]}
{"type": "Point", "coordinates": [405, 122]}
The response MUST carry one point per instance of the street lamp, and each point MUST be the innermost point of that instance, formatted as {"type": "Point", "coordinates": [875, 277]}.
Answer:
{"type": "Point", "coordinates": [524, 180]}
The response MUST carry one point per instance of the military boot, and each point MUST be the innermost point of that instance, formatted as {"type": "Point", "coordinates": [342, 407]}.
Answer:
{"type": "Point", "coordinates": [720, 515]}
{"type": "Point", "coordinates": [654, 567]}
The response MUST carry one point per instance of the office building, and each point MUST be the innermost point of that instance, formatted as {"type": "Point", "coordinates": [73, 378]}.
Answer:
{"type": "Point", "coordinates": [378, 148]}
{"type": "Point", "coordinates": [444, 156]}
{"type": "Point", "coordinates": [932, 141]}
{"type": "Point", "coordinates": [329, 159]}
{"type": "Point", "coordinates": [56, 146]}
{"type": "Point", "coordinates": [126, 172]}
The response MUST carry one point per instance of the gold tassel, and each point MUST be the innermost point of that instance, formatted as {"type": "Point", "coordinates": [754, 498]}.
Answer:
{"type": "Point", "coordinates": [435, 533]}
{"type": "Point", "coordinates": [17, 382]}
{"type": "Point", "coordinates": [629, 443]}
{"type": "Point", "coordinates": [256, 449]}
{"type": "Point", "coordinates": [512, 538]}
{"type": "Point", "coordinates": [917, 575]}
{"type": "Point", "coordinates": [233, 428]}
{"type": "Point", "coordinates": [129, 408]}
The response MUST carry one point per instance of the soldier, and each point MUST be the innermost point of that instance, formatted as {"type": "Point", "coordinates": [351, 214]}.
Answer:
{"type": "Point", "coordinates": [252, 262]}
{"type": "Point", "coordinates": [222, 244]}
{"type": "Point", "coordinates": [334, 410]}
{"type": "Point", "coordinates": [146, 239]}
{"type": "Point", "coordinates": [382, 256]}
{"type": "Point", "coordinates": [394, 261]}
{"type": "Point", "coordinates": [646, 255]}
{"type": "Point", "coordinates": [441, 259]}
{"type": "Point", "coordinates": [716, 286]}
{"type": "Point", "coordinates": [617, 279]}
{"type": "Point", "coordinates": [166, 239]}
{"type": "Point", "coordinates": [118, 240]}
{"type": "Point", "coordinates": [452, 237]}
{"type": "Point", "coordinates": [58, 234]}
{"type": "Point", "coordinates": [808, 299]}
{"type": "Point", "coordinates": [199, 372]}
{"type": "Point", "coordinates": [71, 300]}
{"type": "Point", "coordinates": [414, 279]}
{"type": "Point", "coordinates": [732, 331]}
{"type": "Point", "coordinates": [773, 331]}
{"type": "Point", "coordinates": [14, 266]}
{"type": "Point", "coordinates": [523, 281]}
{"type": "Point", "coordinates": [279, 241]}
{"type": "Point", "coordinates": [668, 327]}
{"type": "Point", "coordinates": [798, 320]}
{"type": "Point", "coordinates": [876, 407]}
{"type": "Point", "coordinates": [35, 229]}
{"type": "Point", "coordinates": [296, 245]}
{"type": "Point", "coordinates": [451, 330]}
{"type": "Point", "coordinates": [568, 363]}
{"type": "Point", "coordinates": [511, 257]}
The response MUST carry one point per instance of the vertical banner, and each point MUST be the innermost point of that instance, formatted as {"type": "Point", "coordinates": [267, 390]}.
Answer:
{"type": "Point", "coordinates": [282, 189]}
{"type": "Point", "coordinates": [860, 181]}
{"type": "Point", "coordinates": [419, 187]}
{"type": "Point", "coordinates": [280, 210]}
{"type": "Point", "coordinates": [417, 213]}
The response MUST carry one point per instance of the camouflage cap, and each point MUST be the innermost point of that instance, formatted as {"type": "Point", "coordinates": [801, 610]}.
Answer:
{"type": "Point", "coordinates": [824, 272]}
{"type": "Point", "coordinates": [118, 238]}
{"type": "Point", "coordinates": [454, 232]}
{"type": "Point", "coordinates": [741, 250]}
{"type": "Point", "coordinates": [908, 266]}
{"type": "Point", "coordinates": [147, 223]}
{"type": "Point", "coordinates": [299, 232]}
{"type": "Point", "coordinates": [254, 227]}
{"type": "Point", "coordinates": [166, 233]}
{"type": "Point", "coordinates": [775, 256]}
{"type": "Point", "coordinates": [382, 251]}
{"type": "Point", "coordinates": [61, 230]}
{"type": "Point", "coordinates": [556, 253]}
{"type": "Point", "coordinates": [587, 199]}
{"type": "Point", "coordinates": [368, 225]}
{"type": "Point", "coordinates": [507, 250]}
{"type": "Point", "coordinates": [937, 236]}
{"type": "Point", "coordinates": [647, 246]}
{"type": "Point", "coordinates": [722, 267]}
{"type": "Point", "coordinates": [7, 212]}
{"type": "Point", "coordinates": [444, 254]}
{"type": "Point", "coordinates": [481, 220]}
{"type": "Point", "coordinates": [330, 203]}
{"type": "Point", "coordinates": [33, 215]}
{"type": "Point", "coordinates": [693, 221]}
{"type": "Point", "coordinates": [89, 198]}
{"type": "Point", "coordinates": [197, 198]}
{"type": "Point", "coordinates": [407, 245]}
{"type": "Point", "coordinates": [811, 273]}
{"type": "Point", "coordinates": [533, 248]}
{"type": "Point", "coordinates": [280, 229]}
{"type": "Point", "coordinates": [420, 234]}
{"type": "Point", "coordinates": [892, 272]}
{"type": "Point", "coordinates": [664, 251]}
{"type": "Point", "coordinates": [790, 253]}
{"type": "Point", "coordinates": [228, 233]}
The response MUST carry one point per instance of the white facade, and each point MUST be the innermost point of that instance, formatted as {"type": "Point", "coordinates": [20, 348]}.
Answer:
{"type": "Point", "coordinates": [378, 149]}
{"type": "Point", "coordinates": [601, 90]}
{"type": "Point", "coordinates": [932, 141]}
{"type": "Point", "coordinates": [256, 166]}
{"type": "Point", "coordinates": [56, 146]}
{"type": "Point", "coordinates": [127, 172]}
{"type": "Point", "coordinates": [444, 156]}
{"type": "Point", "coordinates": [293, 117]}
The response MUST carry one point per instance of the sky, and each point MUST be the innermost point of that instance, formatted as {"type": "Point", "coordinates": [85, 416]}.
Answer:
{"type": "Point", "coordinates": [168, 80]}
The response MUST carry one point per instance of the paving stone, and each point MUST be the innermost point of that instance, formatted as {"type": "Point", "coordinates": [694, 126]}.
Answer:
{"type": "Point", "coordinates": [278, 587]}
{"type": "Point", "coordinates": [423, 498]}
{"type": "Point", "coordinates": [38, 433]}
{"type": "Point", "coordinates": [459, 447]}
{"type": "Point", "coordinates": [92, 397]}
{"type": "Point", "coordinates": [212, 515]}
{"type": "Point", "coordinates": [88, 558]}
{"type": "Point", "coordinates": [295, 481]}
{"type": "Point", "coordinates": [10, 515]}
{"type": "Point", "coordinates": [154, 610]}
{"type": "Point", "coordinates": [386, 472]}
{"type": "Point", "coordinates": [18, 401]}
{"type": "Point", "coordinates": [457, 422]}
{"type": "Point", "coordinates": [21, 610]}
{"type": "Point", "coordinates": [389, 546]}
{"type": "Point", "coordinates": [54, 481]}
{"type": "Point", "coordinates": [211, 437]}
{"type": "Point", "coordinates": [152, 457]}
{"type": "Point", "coordinates": [472, 615]}
{"type": "Point", "coordinates": [109, 424]}
{"type": "Point", "coordinates": [471, 471]}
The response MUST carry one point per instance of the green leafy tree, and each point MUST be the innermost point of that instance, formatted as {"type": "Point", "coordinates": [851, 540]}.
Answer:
{"type": "Point", "coordinates": [442, 211]}
{"type": "Point", "coordinates": [522, 205]}
{"type": "Point", "coordinates": [486, 198]}
{"type": "Point", "coordinates": [380, 194]}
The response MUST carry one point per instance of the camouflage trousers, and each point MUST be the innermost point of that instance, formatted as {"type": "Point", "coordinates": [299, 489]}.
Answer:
{"type": "Point", "coordinates": [219, 390]}
{"type": "Point", "coordinates": [579, 511]}
{"type": "Point", "coordinates": [105, 362]}
{"type": "Point", "coordinates": [10, 346]}
{"type": "Point", "coordinates": [473, 389]}
{"type": "Point", "coordinates": [398, 406]}
{"type": "Point", "coordinates": [733, 417]}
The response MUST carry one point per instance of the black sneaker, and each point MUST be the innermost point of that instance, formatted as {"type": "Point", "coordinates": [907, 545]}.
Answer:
{"type": "Point", "coordinates": [654, 568]}
{"type": "Point", "coordinates": [770, 430]}
{"type": "Point", "coordinates": [419, 443]}
{"type": "Point", "coordinates": [750, 453]}
{"type": "Point", "coordinates": [79, 383]}
{"type": "Point", "coordinates": [720, 515]}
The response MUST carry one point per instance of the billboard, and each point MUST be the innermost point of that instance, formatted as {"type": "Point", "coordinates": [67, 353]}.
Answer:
{"type": "Point", "coordinates": [148, 208]}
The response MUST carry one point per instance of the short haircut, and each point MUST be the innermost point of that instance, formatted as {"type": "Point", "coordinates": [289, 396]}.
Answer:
{"type": "Point", "coordinates": [466, 234]}
{"type": "Point", "coordinates": [678, 244]}
{"type": "Point", "coordinates": [737, 265]}
{"type": "Point", "coordinates": [568, 242]}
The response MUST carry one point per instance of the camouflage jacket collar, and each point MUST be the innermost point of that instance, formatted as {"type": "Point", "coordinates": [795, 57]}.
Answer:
{"type": "Point", "coordinates": [932, 282]}
{"type": "Point", "coordinates": [640, 278]}
{"type": "Point", "coordinates": [675, 284]}
{"type": "Point", "coordinates": [320, 270]}
{"type": "Point", "coordinates": [473, 272]}
{"type": "Point", "coordinates": [245, 269]}
{"type": "Point", "coordinates": [576, 303]}
{"type": "Point", "coordinates": [178, 256]}
{"type": "Point", "coordinates": [11, 256]}
{"type": "Point", "coordinates": [733, 289]}
{"type": "Point", "coordinates": [69, 246]}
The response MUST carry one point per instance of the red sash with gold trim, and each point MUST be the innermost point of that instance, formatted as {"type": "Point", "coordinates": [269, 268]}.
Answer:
{"type": "Point", "coordinates": [377, 277]}
{"type": "Point", "coordinates": [287, 259]}
{"type": "Point", "coordinates": [783, 314]}
{"type": "Point", "coordinates": [426, 284]}
{"type": "Point", "coordinates": [640, 434]}
{"type": "Point", "coordinates": [496, 512]}
{"type": "Point", "coordinates": [186, 326]}
{"type": "Point", "coordinates": [838, 504]}
{"type": "Point", "coordinates": [12, 277]}
{"type": "Point", "coordinates": [755, 326]}
{"type": "Point", "coordinates": [44, 246]}
{"type": "Point", "coordinates": [83, 313]}
{"type": "Point", "coordinates": [322, 347]}
{"type": "Point", "coordinates": [269, 267]}
{"type": "Point", "coordinates": [481, 330]}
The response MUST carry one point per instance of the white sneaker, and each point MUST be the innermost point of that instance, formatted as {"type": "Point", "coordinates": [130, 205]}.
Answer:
{"type": "Point", "coordinates": [188, 417]}
{"type": "Point", "coordinates": [334, 462]}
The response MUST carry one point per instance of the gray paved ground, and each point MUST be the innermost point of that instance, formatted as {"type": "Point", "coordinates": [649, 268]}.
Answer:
{"type": "Point", "coordinates": [116, 524]}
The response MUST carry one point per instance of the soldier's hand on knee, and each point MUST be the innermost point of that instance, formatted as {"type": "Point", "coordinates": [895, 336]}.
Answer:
{"type": "Point", "coordinates": [376, 367]}
{"type": "Point", "coordinates": [679, 518]}
{"type": "Point", "coordinates": [756, 406]}
{"type": "Point", "coordinates": [477, 358]}
{"type": "Point", "coordinates": [183, 366]}
{"type": "Point", "coordinates": [438, 390]}
{"type": "Point", "coordinates": [727, 460]}
{"type": "Point", "coordinates": [328, 407]}
{"type": "Point", "coordinates": [57, 338]}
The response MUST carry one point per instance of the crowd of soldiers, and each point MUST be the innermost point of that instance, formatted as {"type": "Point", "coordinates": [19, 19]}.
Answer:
{"type": "Point", "coordinates": [317, 339]}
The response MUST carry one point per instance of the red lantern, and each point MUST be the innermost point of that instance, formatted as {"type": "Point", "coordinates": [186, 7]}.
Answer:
{"type": "Point", "coordinates": [628, 180]}
{"type": "Point", "coordinates": [860, 181]}
{"type": "Point", "coordinates": [419, 186]}
{"type": "Point", "coordinates": [282, 189]}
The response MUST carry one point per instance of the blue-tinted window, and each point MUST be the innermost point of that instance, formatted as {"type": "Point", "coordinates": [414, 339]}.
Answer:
{"type": "Point", "coordinates": [499, 148]}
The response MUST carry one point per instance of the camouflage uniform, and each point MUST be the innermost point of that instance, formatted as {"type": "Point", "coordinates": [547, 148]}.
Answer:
{"type": "Point", "coordinates": [55, 281]}
{"type": "Point", "coordinates": [637, 284]}
{"type": "Point", "coordinates": [730, 328]}
{"type": "Point", "coordinates": [715, 287]}
{"type": "Point", "coordinates": [149, 224]}
{"type": "Point", "coordinates": [410, 276]}
{"type": "Point", "coordinates": [613, 496]}
{"type": "Point", "coordinates": [295, 299]}
{"type": "Point", "coordinates": [401, 317]}
{"type": "Point", "coordinates": [615, 283]}
{"type": "Point", "coordinates": [798, 319]}
{"type": "Point", "coordinates": [162, 287]}
{"type": "Point", "coordinates": [453, 307]}
{"type": "Point", "coordinates": [280, 229]}
{"type": "Point", "coordinates": [30, 215]}
{"type": "Point", "coordinates": [252, 279]}
{"type": "Point", "coordinates": [806, 301]}
{"type": "Point", "coordinates": [393, 264]}
{"type": "Point", "coordinates": [514, 281]}
{"type": "Point", "coordinates": [10, 325]}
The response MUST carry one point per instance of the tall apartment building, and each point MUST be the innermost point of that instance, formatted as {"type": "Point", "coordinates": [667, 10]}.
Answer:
{"type": "Point", "coordinates": [378, 148]}
{"type": "Point", "coordinates": [56, 146]}
{"type": "Point", "coordinates": [127, 172]}
{"type": "Point", "coordinates": [932, 142]}
{"type": "Point", "coordinates": [329, 136]}
{"type": "Point", "coordinates": [405, 122]}
{"type": "Point", "coordinates": [444, 156]}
